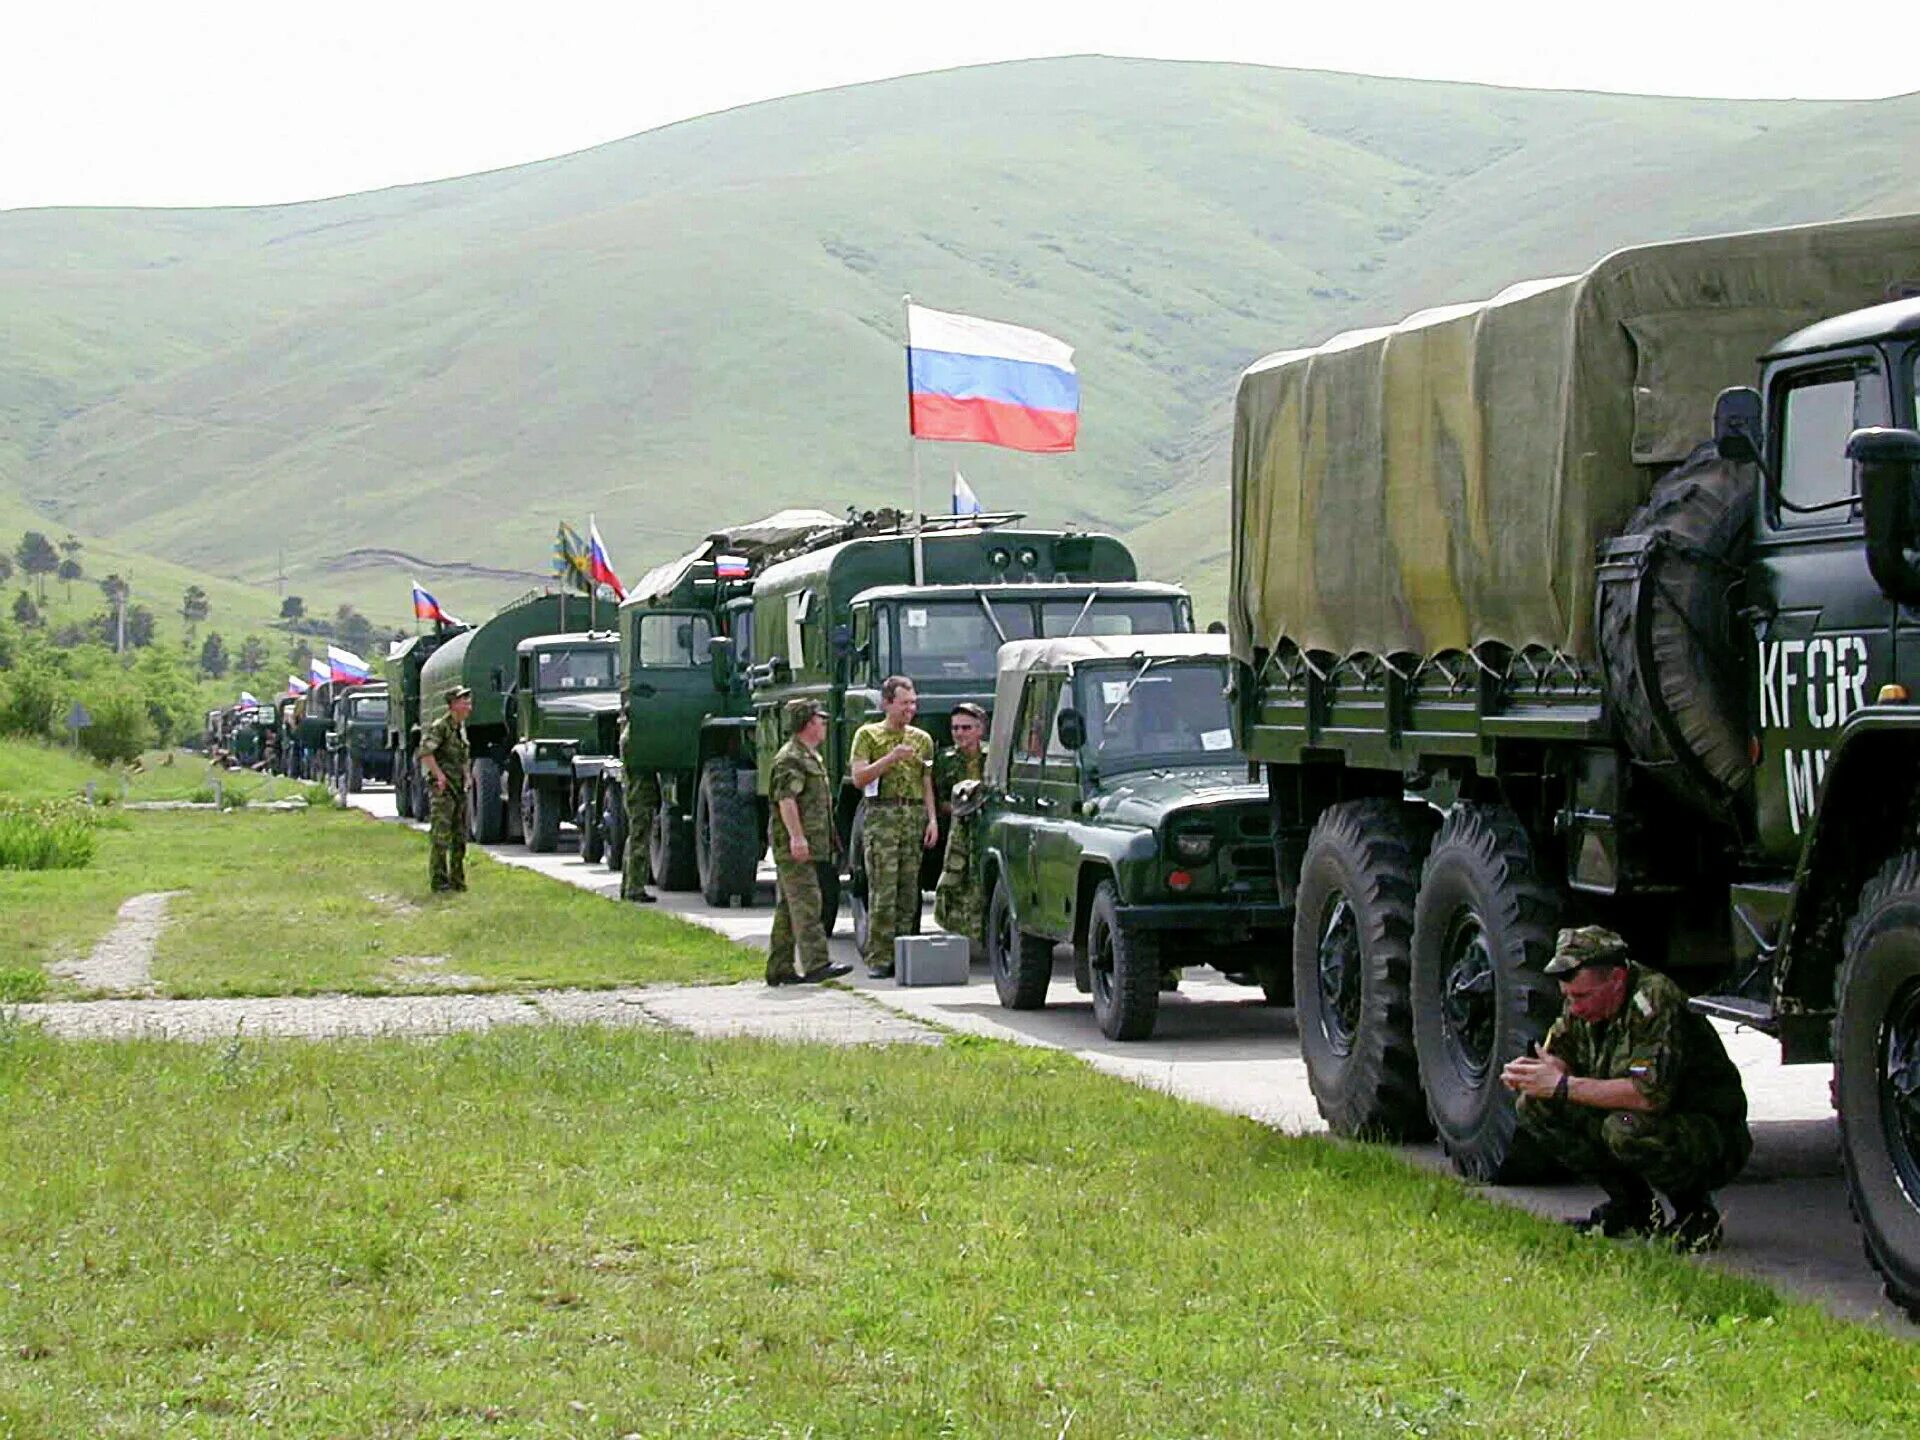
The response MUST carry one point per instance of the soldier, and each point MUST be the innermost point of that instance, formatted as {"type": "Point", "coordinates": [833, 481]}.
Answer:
{"type": "Point", "coordinates": [642, 804]}
{"type": "Point", "coordinates": [443, 758]}
{"type": "Point", "coordinates": [1635, 1092]}
{"type": "Point", "coordinates": [957, 902]}
{"type": "Point", "coordinates": [892, 762]}
{"type": "Point", "coordinates": [801, 838]}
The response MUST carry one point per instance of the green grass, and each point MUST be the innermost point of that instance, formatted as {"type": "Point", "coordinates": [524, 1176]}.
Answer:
{"type": "Point", "coordinates": [31, 770]}
{"type": "Point", "coordinates": [55, 835]}
{"type": "Point", "coordinates": [328, 900]}
{"type": "Point", "coordinates": [581, 1232]}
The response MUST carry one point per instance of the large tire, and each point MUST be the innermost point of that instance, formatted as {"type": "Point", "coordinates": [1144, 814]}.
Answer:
{"type": "Point", "coordinates": [1126, 970]}
{"type": "Point", "coordinates": [1483, 931]}
{"type": "Point", "coordinates": [1022, 964]}
{"type": "Point", "coordinates": [1671, 663]}
{"type": "Point", "coordinates": [593, 831]}
{"type": "Point", "coordinates": [727, 838]}
{"type": "Point", "coordinates": [486, 814]}
{"type": "Point", "coordinates": [674, 867]}
{"type": "Point", "coordinates": [356, 777]}
{"type": "Point", "coordinates": [402, 791]}
{"type": "Point", "coordinates": [422, 798]}
{"type": "Point", "coordinates": [1353, 921]}
{"type": "Point", "coordinates": [613, 819]}
{"type": "Point", "coordinates": [1876, 1073]}
{"type": "Point", "coordinates": [539, 816]}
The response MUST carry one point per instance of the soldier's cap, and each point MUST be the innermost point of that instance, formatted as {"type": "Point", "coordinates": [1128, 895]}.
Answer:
{"type": "Point", "coordinates": [458, 692]}
{"type": "Point", "coordinates": [967, 707]}
{"type": "Point", "coordinates": [969, 798]}
{"type": "Point", "coordinates": [1585, 945]}
{"type": "Point", "coordinates": [799, 712]}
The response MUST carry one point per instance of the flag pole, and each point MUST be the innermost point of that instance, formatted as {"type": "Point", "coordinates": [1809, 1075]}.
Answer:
{"type": "Point", "coordinates": [593, 582]}
{"type": "Point", "coordinates": [913, 449]}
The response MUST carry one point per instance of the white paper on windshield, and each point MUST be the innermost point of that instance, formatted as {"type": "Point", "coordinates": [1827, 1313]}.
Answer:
{"type": "Point", "coordinates": [1216, 739]}
{"type": "Point", "coordinates": [916, 619]}
{"type": "Point", "coordinates": [545, 659]}
{"type": "Point", "coordinates": [1112, 692]}
{"type": "Point", "coordinates": [566, 682]}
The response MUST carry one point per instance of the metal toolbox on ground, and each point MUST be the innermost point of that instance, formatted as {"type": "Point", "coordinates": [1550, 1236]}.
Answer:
{"type": "Point", "coordinates": [930, 960]}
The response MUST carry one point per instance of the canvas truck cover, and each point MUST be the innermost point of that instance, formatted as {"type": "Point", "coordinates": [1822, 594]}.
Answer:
{"type": "Point", "coordinates": [1444, 482]}
{"type": "Point", "coordinates": [754, 540]}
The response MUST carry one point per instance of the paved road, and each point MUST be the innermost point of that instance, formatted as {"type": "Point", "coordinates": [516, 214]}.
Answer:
{"type": "Point", "coordinates": [1217, 1044]}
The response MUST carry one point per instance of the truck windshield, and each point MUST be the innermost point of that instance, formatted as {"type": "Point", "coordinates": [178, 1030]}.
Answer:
{"type": "Point", "coordinates": [373, 707]}
{"type": "Point", "coordinates": [574, 669]}
{"type": "Point", "coordinates": [1108, 616]}
{"type": "Point", "coordinates": [958, 639]}
{"type": "Point", "coordinates": [1173, 713]}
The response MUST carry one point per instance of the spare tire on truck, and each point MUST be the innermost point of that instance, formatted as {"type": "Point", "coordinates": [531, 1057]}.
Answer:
{"type": "Point", "coordinates": [1672, 647]}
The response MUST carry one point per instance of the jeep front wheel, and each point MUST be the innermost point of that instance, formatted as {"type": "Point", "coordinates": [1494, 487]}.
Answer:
{"type": "Point", "coordinates": [1022, 964]}
{"type": "Point", "coordinates": [1126, 970]}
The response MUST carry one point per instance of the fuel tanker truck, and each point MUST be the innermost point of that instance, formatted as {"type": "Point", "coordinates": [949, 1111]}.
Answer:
{"type": "Point", "coordinates": [1593, 603]}
{"type": "Point", "coordinates": [484, 659]}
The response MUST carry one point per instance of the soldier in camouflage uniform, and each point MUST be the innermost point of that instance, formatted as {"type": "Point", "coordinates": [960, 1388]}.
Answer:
{"type": "Point", "coordinates": [801, 838]}
{"type": "Point", "coordinates": [444, 756]}
{"type": "Point", "coordinates": [1635, 1092]}
{"type": "Point", "coordinates": [892, 762]}
{"type": "Point", "coordinates": [958, 902]}
{"type": "Point", "coordinates": [642, 804]}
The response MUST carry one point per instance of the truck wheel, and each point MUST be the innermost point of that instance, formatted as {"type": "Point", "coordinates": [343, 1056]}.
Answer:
{"type": "Point", "coordinates": [727, 840]}
{"type": "Point", "coordinates": [422, 799]}
{"type": "Point", "coordinates": [539, 816]}
{"type": "Point", "coordinates": [356, 776]}
{"type": "Point", "coordinates": [1876, 1072]}
{"type": "Point", "coordinates": [1670, 671]}
{"type": "Point", "coordinates": [593, 834]}
{"type": "Point", "coordinates": [613, 819]}
{"type": "Point", "coordinates": [1483, 929]}
{"type": "Point", "coordinates": [672, 850]}
{"type": "Point", "coordinates": [402, 793]}
{"type": "Point", "coordinates": [1353, 918]}
{"type": "Point", "coordinates": [486, 816]}
{"type": "Point", "coordinates": [1126, 971]}
{"type": "Point", "coordinates": [1022, 964]}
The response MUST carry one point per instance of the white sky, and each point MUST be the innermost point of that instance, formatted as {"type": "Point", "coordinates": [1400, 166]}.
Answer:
{"type": "Point", "coordinates": [205, 102]}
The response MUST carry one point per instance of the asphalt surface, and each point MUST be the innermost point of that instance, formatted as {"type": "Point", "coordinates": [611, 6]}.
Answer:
{"type": "Point", "coordinates": [1218, 1044]}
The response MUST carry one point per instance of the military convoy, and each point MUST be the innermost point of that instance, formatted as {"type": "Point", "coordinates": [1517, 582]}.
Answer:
{"type": "Point", "coordinates": [1516, 652]}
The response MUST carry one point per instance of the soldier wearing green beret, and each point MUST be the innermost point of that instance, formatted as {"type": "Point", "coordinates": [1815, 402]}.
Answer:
{"type": "Point", "coordinates": [1634, 1092]}
{"type": "Point", "coordinates": [800, 835]}
{"type": "Point", "coordinates": [444, 756]}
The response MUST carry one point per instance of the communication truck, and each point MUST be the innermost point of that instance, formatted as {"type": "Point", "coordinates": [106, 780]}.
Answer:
{"type": "Point", "coordinates": [1545, 613]}
{"type": "Point", "coordinates": [858, 604]}
{"type": "Point", "coordinates": [485, 660]}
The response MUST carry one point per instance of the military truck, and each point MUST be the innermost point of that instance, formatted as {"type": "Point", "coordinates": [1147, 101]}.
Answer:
{"type": "Point", "coordinates": [313, 717]}
{"type": "Point", "coordinates": [690, 719]}
{"type": "Point", "coordinates": [1516, 653]}
{"type": "Point", "coordinates": [286, 720]}
{"type": "Point", "coordinates": [356, 743]}
{"type": "Point", "coordinates": [1120, 819]}
{"type": "Point", "coordinates": [836, 619]}
{"type": "Point", "coordinates": [401, 671]}
{"type": "Point", "coordinates": [485, 660]}
{"type": "Point", "coordinates": [566, 696]}
{"type": "Point", "coordinates": [245, 729]}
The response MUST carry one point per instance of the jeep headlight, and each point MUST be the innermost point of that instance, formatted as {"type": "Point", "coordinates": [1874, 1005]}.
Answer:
{"type": "Point", "coordinates": [1193, 846]}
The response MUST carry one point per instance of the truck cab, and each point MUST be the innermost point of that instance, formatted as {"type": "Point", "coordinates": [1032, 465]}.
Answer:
{"type": "Point", "coordinates": [566, 698]}
{"type": "Point", "coordinates": [357, 738]}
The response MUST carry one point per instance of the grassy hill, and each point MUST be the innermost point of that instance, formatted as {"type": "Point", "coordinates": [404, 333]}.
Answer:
{"type": "Point", "coordinates": [703, 322]}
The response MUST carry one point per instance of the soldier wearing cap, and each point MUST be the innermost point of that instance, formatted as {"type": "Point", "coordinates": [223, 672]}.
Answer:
{"type": "Point", "coordinates": [1634, 1092]}
{"type": "Point", "coordinates": [444, 755]}
{"type": "Point", "coordinates": [800, 835]}
{"type": "Point", "coordinates": [958, 903]}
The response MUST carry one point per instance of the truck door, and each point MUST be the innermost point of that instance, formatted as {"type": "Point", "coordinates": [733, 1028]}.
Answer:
{"type": "Point", "coordinates": [1038, 700]}
{"type": "Point", "coordinates": [1056, 846]}
{"type": "Point", "coordinates": [670, 688]}
{"type": "Point", "coordinates": [1823, 629]}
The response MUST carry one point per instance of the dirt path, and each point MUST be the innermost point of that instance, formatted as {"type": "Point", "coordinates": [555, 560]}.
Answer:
{"type": "Point", "coordinates": [122, 963]}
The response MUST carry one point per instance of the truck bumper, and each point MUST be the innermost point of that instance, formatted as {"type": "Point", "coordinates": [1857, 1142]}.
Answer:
{"type": "Point", "coordinates": [1207, 915]}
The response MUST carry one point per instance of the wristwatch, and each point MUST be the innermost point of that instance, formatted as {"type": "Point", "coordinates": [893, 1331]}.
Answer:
{"type": "Point", "coordinates": [1560, 1090]}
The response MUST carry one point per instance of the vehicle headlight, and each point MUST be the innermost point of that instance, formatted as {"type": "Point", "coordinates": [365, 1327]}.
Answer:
{"type": "Point", "coordinates": [1193, 845]}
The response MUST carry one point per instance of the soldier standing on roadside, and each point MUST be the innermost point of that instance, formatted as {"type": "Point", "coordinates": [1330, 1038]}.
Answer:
{"type": "Point", "coordinates": [801, 837]}
{"type": "Point", "coordinates": [642, 803]}
{"type": "Point", "coordinates": [957, 902]}
{"type": "Point", "coordinates": [444, 754]}
{"type": "Point", "coordinates": [892, 763]}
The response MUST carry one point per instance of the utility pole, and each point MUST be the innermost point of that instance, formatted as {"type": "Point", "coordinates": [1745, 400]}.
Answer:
{"type": "Point", "coordinates": [282, 577]}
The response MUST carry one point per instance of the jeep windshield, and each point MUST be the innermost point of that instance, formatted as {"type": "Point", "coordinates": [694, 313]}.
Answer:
{"type": "Point", "coordinates": [584, 669]}
{"type": "Point", "coordinates": [1154, 712]}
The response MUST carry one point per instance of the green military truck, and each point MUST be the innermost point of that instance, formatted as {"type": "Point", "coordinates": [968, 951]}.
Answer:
{"type": "Point", "coordinates": [400, 670]}
{"type": "Point", "coordinates": [312, 719]}
{"type": "Point", "coordinates": [356, 745]}
{"type": "Point", "coordinates": [690, 718]}
{"type": "Point", "coordinates": [836, 619]}
{"type": "Point", "coordinates": [1120, 819]}
{"type": "Point", "coordinates": [246, 728]}
{"type": "Point", "coordinates": [485, 660]}
{"type": "Point", "coordinates": [286, 721]}
{"type": "Point", "coordinates": [566, 701]}
{"type": "Point", "coordinates": [1516, 653]}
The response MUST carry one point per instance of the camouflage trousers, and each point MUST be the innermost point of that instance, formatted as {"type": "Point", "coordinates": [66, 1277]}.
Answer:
{"type": "Point", "coordinates": [642, 805]}
{"type": "Point", "coordinates": [958, 903]}
{"type": "Point", "coordinates": [893, 849]}
{"type": "Point", "coordinates": [447, 837]}
{"type": "Point", "coordinates": [798, 921]}
{"type": "Point", "coordinates": [1678, 1153]}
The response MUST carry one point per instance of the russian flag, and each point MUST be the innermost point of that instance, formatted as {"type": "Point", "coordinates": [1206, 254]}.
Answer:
{"type": "Point", "coordinates": [346, 668]}
{"type": "Point", "coordinates": [295, 685]}
{"type": "Point", "coordinates": [597, 563]}
{"type": "Point", "coordinates": [247, 697]}
{"type": "Point", "coordinates": [730, 567]}
{"type": "Point", "coordinates": [994, 384]}
{"type": "Point", "coordinates": [425, 607]}
{"type": "Point", "coordinates": [318, 672]}
{"type": "Point", "coordinates": [965, 502]}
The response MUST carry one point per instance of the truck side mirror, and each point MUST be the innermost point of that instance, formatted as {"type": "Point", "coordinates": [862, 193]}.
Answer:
{"type": "Point", "coordinates": [842, 641]}
{"type": "Point", "coordinates": [720, 654]}
{"type": "Point", "coordinates": [1072, 726]}
{"type": "Point", "coordinates": [1886, 464]}
{"type": "Point", "coordinates": [1738, 430]}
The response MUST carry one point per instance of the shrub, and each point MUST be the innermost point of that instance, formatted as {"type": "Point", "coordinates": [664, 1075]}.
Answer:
{"type": "Point", "coordinates": [122, 727]}
{"type": "Point", "coordinates": [52, 836]}
{"type": "Point", "coordinates": [29, 699]}
{"type": "Point", "coordinates": [20, 984]}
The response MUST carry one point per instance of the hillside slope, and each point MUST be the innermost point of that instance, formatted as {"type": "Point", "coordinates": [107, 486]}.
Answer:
{"type": "Point", "coordinates": [704, 321]}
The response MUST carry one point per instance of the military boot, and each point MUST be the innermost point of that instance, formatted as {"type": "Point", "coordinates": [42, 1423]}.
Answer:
{"type": "Point", "coordinates": [1695, 1226]}
{"type": "Point", "coordinates": [1630, 1211]}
